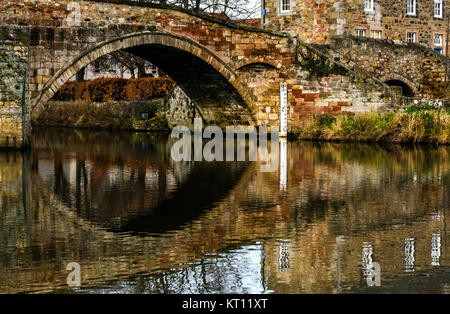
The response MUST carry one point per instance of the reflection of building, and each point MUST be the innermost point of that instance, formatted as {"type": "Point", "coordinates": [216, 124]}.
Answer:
{"type": "Point", "coordinates": [435, 249]}
{"type": "Point", "coordinates": [420, 21]}
{"type": "Point", "coordinates": [283, 256]}
{"type": "Point", "coordinates": [409, 255]}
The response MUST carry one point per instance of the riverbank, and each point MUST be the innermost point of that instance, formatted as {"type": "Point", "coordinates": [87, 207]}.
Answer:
{"type": "Point", "coordinates": [424, 125]}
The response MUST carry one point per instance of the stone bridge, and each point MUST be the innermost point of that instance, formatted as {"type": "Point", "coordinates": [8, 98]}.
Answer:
{"type": "Point", "coordinates": [232, 73]}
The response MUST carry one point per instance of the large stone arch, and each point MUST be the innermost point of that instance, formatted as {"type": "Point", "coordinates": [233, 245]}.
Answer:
{"type": "Point", "coordinates": [235, 101]}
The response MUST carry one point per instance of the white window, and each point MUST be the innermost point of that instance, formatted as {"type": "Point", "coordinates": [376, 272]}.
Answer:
{"type": "Point", "coordinates": [376, 34]}
{"type": "Point", "coordinates": [361, 33]}
{"type": "Point", "coordinates": [285, 6]}
{"type": "Point", "coordinates": [411, 37]}
{"type": "Point", "coordinates": [368, 5]}
{"type": "Point", "coordinates": [113, 68]}
{"type": "Point", "coordinates": [438, 8]}
{"type": "Point", "coordinates": [438, 40]}
{"type": "Point", "coordinates": [411, 7]}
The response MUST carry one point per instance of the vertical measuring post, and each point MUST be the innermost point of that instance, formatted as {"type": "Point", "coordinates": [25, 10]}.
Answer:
{"type": "Point", "coordinates": [283, 164]}
{"type": "Point", "coordinates": [283, 111]}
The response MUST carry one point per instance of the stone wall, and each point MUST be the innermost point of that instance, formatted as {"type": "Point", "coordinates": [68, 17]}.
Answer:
{"type": "Point", "coordinates": [180, 110]}
{"type": "Point", "coordinates": [13, 65]}
{"type": "Point", "coordinates": [310, 20]}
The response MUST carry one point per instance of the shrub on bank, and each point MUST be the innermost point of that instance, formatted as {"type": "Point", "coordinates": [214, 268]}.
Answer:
{"type": "Point", "coordinates": [147, 88]}
{"type": "Point", "coordinates": [105, 89]}
{"type": "Point", "coordinates": [115, 89]}
{"type": "Point", "coordinates": [419, 126]}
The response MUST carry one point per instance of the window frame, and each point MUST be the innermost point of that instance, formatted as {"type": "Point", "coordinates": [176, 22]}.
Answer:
{"type": "Point", "coordinates": [441, 9]}
{"type": "Point", "coordinates": [283, 11]}
{"type": "Point", "coordinates": [363, 31]}
{"type": "Point", "coordinates": [440, 44]}
{"type": "Point", "coordinates": [414, 37]}
{"type": "Point", "coordinates": [414, 7]}
{"type": "Point", "coordinates": [370, 7]}
{"type": "Point", "coordinates": [377, 31]}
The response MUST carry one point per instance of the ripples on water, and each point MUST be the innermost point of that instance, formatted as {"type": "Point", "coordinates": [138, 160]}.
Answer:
{"type": "Point", "coordinates": [137, 222]}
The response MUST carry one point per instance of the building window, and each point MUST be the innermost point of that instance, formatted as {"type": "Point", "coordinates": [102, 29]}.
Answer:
{"type": "Point", "coordinates": [361, 33]}
{"type": "Point", "coordinates": [438, 40]}
{"type": "Point", "coordinates": [285, 6]}
{"type": "Point", "coordinates": [438, 8]}
{"type": "Point", "coordinates": [411, 7]}
{"type": "Point", "coordinates": [96, 66]}
{"type": "Point", "coordinates": [368, 5]}
{"type": "Point", "coordinates": [376, 34]}
{"type": "Point", "coordinates": [411, 37]}
{"type": "Point", "coordinates": [113, 68]}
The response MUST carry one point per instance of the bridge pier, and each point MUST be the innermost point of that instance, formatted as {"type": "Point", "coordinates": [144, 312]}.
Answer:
{"type": "Point", "coordinates": [15, 122]}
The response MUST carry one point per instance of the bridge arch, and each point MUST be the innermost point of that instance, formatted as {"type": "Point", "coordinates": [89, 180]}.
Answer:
{"type": "Point", "coordinates": [408, 88]}
{"type": "Point", "coordinates": [209, 81]}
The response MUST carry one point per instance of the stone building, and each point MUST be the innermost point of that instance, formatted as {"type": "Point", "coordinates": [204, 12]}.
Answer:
{"type": "Point", "coordinates": [315, 21]}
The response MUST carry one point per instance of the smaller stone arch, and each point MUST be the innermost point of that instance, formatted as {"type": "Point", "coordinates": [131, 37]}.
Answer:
{"type": "Point", "coordinates": [258, 61]}
{"type": "Point", "coordinates": [409, 89]}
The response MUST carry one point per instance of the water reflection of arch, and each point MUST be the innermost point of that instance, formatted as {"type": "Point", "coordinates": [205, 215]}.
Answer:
{"type": "Point", "coordinates": [130, 183]}
{"type": "Point", "coordinates": [144, 252]}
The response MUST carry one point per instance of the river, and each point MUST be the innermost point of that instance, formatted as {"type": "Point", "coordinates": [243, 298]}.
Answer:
{"type": "Point", "coordinates": [138, 222]}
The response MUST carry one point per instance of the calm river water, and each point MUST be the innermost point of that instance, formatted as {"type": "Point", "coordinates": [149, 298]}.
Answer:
{"type": "Point", "coordinates": [138, 222]}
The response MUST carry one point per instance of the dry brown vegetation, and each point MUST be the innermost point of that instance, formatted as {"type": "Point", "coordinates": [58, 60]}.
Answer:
{"type": "Point", "coordinates": [115, 89]}
{"type": "Point", "coordinates": [411, 126]}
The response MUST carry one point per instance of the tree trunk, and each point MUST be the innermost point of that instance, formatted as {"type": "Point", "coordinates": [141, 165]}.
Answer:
{"type": "Point", "coordinates": [141, 70]}
{"type": "Point", "coordinates": [80, 75]}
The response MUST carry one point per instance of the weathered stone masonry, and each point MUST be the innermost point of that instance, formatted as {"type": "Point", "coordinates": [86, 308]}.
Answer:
{"type": "Point", "coordinates": [332, 24]}
{"type": "Point", "coordinates": [13, 69]}
{"type": "Point", "coordinates": [316, 21]}
{"type": "Point", "coordinates": [422, 70]}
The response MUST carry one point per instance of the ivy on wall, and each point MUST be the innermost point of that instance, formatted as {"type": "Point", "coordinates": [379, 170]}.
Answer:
{"type": "Point", "coordinates": [317, 65]}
